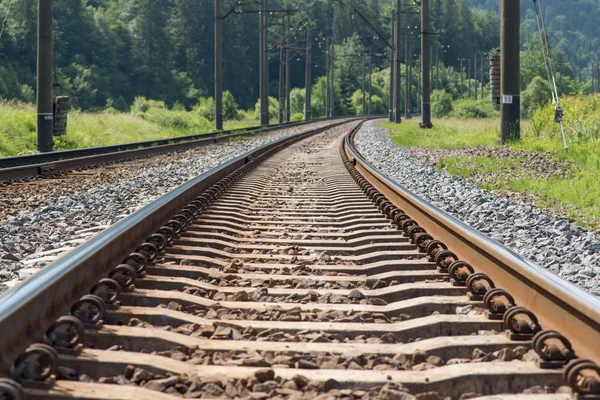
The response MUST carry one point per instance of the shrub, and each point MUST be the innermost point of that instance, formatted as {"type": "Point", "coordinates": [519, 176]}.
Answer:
{"type": "Point", "coordinates": [378, 107]}
{"type": "Point", "coordinates": [581, 119]}
{"type": "Point", "coordinates": [230, 106]}
{"type": "Point", "coordinates": [206, 108]}
{"type": "Point", "coordinates": [297, 100]}
{"type": "Point", "coordinates": [441, 104]}
{"type": "Point", "coordinates": [273, 108]}
{"type": "Point", "coordinates": [297, 117]}
{"type": "Point", "coordinates": [468, 108]}
{"type": "Point", "coordinates": [141, 105]}
{"type": "Point", "coordinates": [537, 94]}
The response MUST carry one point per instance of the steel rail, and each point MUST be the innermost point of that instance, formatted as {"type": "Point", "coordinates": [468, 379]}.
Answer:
{"type": "Point", "coordinates": [16, 161]}
{"type": "Point", "coordinates": [38, 165]}
{"type": "Point", "coordinates": [558, 305]}
{"type": "Point", "coordinates": [28, 309]}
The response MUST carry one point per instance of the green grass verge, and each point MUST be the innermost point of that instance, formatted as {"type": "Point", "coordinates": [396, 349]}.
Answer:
{"type": "Point", "coordinates": [451, 134]}
{"type": "Point", "coordinates": [578, 196]}
{"type": "Point", "coordinates": [18, 128]}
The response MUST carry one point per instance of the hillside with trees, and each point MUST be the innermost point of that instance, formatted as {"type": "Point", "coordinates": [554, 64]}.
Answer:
{"type": "Point", "coordinates": [108, 52]}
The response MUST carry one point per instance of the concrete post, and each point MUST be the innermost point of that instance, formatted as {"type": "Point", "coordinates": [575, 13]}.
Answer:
{"type": "Point", "coordinates": [45, 61]}
{"type": "Point", "coordinates": [218, 66]}
{"type": "Point", "coordinates": [510, 47]}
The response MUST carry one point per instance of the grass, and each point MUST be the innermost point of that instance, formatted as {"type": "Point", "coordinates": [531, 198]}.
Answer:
{"type": "Point", "coordinates": [18, 128]}
{"type": "Point", "coordinates": [450, 134]}
{"type": "Point", "coordinates": [577, 196]}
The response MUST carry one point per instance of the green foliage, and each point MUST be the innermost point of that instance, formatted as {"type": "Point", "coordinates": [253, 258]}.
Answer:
{"type": "Point", "coordinates": [467, 108]}
{"type": "Point", "coordinates": [577, 195]}
{"type": "Point", "coordinates": [297, 117]}
{"type": "Point", "coordinates": [110, 51]}
{"type": "Point", "coordinates": [356, 103]}
{"type": "Point", "coordinates": [581, 120]}
{"type": "Point", "coordinates": [273, 109]}
{"type": "Point", "coordinates": [17, 131]}
{"type": "Point", "coordinates": [538, 93]}
{"type": "Point", "coordinates": [378, 107]}
{"type": "Point", "coordinates": [230, 106]}
{"type": "Point", "coordinates": [206, 108]}
{"type": "Point", "coordinates": [297, 101]}
{"type": "Point", "coordinates": [441, 104]}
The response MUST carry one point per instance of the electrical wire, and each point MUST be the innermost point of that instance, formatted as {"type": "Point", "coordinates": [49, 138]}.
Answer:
{"type": "Point", "coordinates": [558, 116]}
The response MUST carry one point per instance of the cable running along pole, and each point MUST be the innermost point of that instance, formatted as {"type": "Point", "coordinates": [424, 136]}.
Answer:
{"type": "Point", "coordinates": [45, 60]}
{"type": "Point", "coordinates": [558, 111]}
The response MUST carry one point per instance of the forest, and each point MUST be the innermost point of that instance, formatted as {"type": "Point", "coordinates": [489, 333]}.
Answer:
{"type": "Point", "coordinates": [108, 52]}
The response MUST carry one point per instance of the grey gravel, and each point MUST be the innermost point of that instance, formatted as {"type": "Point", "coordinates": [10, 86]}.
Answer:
{"type": "Point", "coordinates": [567, 250]}
{"type": "Point", "coordinates": [33, 239]}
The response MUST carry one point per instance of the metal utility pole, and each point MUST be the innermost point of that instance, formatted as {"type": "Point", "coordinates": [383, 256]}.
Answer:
{"type": "Point", "coordinates": [364, 84]}
{"type": "Point", "coordinates": [327, 78]}
{"type": "Point", "coordinates": [475, 74]}
{"type": "Point", "coordinates": [419, 85]}
{"type": "Point", "coordinates": [332, 79]}
{"type": "Point", "coordinates": [370, 85]}
{"type": "Point", "coordinates": [462, 70]}
{"type": "Point", "coordinates": [510, 47]}
{"type": "Point", "coordinates": [264, 66]}
{"type": "Point", "coordinates": [288, 78]}
{"type": "Point", "coordinates": [437, 68]}
{"type": "Point", "coordinates": [397, 71]}
{"type": "Point", "coordinates": [425, 66]}
{"type": "Point", "coordinates": [469, 75]}
{"type": "Point", "coordinates": [392, 67]}
{"type": "Point", "coordinates": [45, 61]}
{"type": "Point", "coordinates": [431, 77]}
{"type": "Point", "coordinates": [281, 74]}
{"type": "Point", "coordinates": [407, 80]}
{"type": "Point", "coordinates": [482, 60]}
{"type": "Point", "coordinates": [218, 66]}
{"type": "Point", "coordinates": [308, 78]}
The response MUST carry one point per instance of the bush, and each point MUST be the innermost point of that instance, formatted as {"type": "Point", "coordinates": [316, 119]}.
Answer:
{"type": "Point", "coordinates": [206, 108]}
{"type": "Point", "coordinates": [378, 107]}
{"type": "Point", "coordinates": [468, 108]}
{"type": "Point", "coordinates": [537, 94]}
{"type": "Point", "coordinates": [141, 105]}
{"type": "Point", "coordinates": [273, 109]}
{"type": "Point", "coordinates": [230, 106]}
{"type": "Point", "coordinates": [297, 100]}
{"type": "Point", "coordinates": [297, 117]}
{"type": "Point", "coordinates": [357, 102]}
{"type": "Point", "coordinates": [581, 119]}
{"type": "Point", "coordinates": [441, 104]}
{"type": "Point", "coordinates": [243, 115]}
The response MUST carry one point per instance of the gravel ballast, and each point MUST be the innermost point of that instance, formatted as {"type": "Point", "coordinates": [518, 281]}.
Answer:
{"type": "Point", "coordinates": [567, 250]}
{"type": "Point", "coordinates": [32, 239]}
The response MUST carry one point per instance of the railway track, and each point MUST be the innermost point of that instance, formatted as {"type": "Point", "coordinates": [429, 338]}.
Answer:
{"type": "Point", "coordinates": [52, 164]}
{"type": "Point", "coordinates": [297, 272]}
